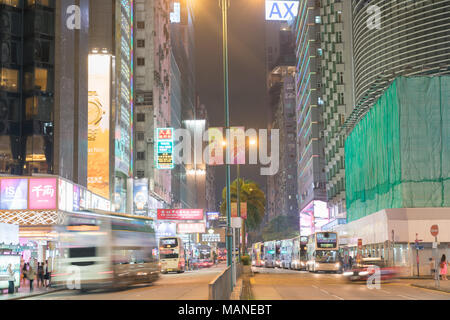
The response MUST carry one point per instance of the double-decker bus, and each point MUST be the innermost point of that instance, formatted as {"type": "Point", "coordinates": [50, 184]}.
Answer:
{"type": "Point", "coordinates": [286, 253]}
{"type": "Point", "coordinates": [258, 255]}
{"type": "Point", "coordinates": [278, 254]}
{"type": "Point", "coordinates": [269, 254]}
{"type": "Point", "coordinates": [172, 256]}
{"type": "Point", "coordinates": [98, 249]}
{"type": "Point", "coordinates": [299, 253]}
{"type": "Point", "coordinates": [323, 252]}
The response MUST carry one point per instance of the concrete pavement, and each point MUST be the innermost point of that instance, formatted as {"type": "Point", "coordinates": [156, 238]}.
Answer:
{"type": "Point", "coordinates": [192, 285]}
{"type": "Point", "coordinates": [276, 284]}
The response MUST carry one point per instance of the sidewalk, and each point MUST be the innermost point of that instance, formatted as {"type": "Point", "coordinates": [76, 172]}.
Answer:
{"type": "Point", "coordinates": [431, 284]}
{"type": "Point", "coordinates": [24, 292]}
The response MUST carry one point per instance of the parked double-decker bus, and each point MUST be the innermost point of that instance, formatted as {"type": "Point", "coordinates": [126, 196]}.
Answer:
{"type": "Point", "coordinates": [100, 249]}
{"type": "Point", "coordinates": [286, 253]}
{"type": "Point", "coordinates": [258, 255]}
{"type": "Point", "coordinates": [269, 254]}
{"type": "Point", "coordinates": [323, 252]}
{"type": "Point", "coordinates": [172, 256]}
{"type": "Point", "coordinates": [299, 253]}
{"type": "Point", "coordinates": [278, 254]}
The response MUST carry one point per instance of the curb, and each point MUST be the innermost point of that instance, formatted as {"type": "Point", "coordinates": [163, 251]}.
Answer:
{"type": "Point", "coordinates": [237, 293]}
{"type": "Point", "coordinates": [430, 288]}
{"type": "Point", "coordinates": [34, 295]}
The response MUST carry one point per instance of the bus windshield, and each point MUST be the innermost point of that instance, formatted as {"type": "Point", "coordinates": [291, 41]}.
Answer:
{"type": "Point", "coordinates": [326, 256]}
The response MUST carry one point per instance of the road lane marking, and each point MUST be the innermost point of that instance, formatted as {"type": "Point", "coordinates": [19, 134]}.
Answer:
{"type": "Point", "coordinates": [333, 295]}
{"type": "Point", "coordinates": [324, 291]}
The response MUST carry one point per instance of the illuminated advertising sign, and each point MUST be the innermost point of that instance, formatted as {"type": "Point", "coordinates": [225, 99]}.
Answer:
{"type": "Point", "coordinates": [188, 228]}
{"type": "Point", "coordinates": [5, 261]}
{"type": "Point", "coordinates": [166, 229]}
{"type": "Point", "coordinates": [281, 10]}
{"type": "Point", "coordinates": [213, 216]}
{"type": "Point", "coordinates": [14, 194]}
{"type": "Point", "coordinates": [76, 198]}
{"type": "Point", "coordinates": [99, 104]}
{"type": "Point", "coordinates": [42, 193]}
{"type": "Point", "coordinates": [164, 148]}
{"type": "Point", "coordinates": [9, 234]}
{"type": "Point", "coordinates": [327, 240]}
{"type": "Point", "coordinates": [234, 211]}
{"type": "Point", "coordinates": [206, 237]}
{"type": "Point", "coordinates": [180, 214]}
{"type": "Point", "coordinates": [140, 196]}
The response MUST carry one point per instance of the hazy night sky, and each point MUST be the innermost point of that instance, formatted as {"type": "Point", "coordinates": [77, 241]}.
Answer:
{"type": "Point", "coordinates": [247, 77]}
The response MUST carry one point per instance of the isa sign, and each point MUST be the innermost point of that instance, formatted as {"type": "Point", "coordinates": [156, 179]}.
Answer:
{"type": "Point", "coordinates": [281, 10]}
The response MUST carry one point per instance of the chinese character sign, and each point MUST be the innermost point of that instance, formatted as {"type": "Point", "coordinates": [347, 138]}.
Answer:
{"type": "Point", "coordinates": [180, 214]}
{"type": "Point", "coordinates": [14, 194]}
{"type": "Point", "coordinates": [164, 148]}
{"type": "Point", "coordinates": [42, 194]}
{"type": "Point", "coordinates": [188, 228]}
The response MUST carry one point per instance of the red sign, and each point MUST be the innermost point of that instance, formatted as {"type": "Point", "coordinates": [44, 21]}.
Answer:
{"type": "Point", "coordinates": [180, 214]}
{"type": "Point", "coordinates": [165, 134]}
{"type": "Point", "coordinates": [188, 228]}
{"type": "Point", "coordinates": [434, 230]}
{"type": "Point", "coordinates": [234, 213]}
{"type": "Point", "coordinates": [360, 244]}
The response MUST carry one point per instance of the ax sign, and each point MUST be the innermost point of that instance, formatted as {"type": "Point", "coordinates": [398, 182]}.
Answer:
{"type": "Point", "coordinates": [281, 10]}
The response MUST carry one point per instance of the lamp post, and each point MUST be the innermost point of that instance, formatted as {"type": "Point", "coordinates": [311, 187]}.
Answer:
{"type": "Point", "coordinates": [224, 5]}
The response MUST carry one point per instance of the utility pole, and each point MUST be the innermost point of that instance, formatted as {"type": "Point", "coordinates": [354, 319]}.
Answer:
{"type": "Point", "coordinates": [224, 4]}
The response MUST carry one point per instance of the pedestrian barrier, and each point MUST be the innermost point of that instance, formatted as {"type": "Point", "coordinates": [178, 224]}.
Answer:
{"type": "Point", "coordinates": [220, 288]}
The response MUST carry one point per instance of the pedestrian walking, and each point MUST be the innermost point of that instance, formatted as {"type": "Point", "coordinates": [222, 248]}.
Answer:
{"type": "Point", "coordinates": [22, 275]}
{"type": "Point", "coordinates": [443, 267]}
{"type": "Point", "coordinates": [40, 274]}
{"type": "Point", "coordinates": [30, 274]}
{"type": "Point", "coordinates": [11, 279]}
{"type": "Point", "coordinates": [47, 275]}
{"type": "Point", "coordinates": [350, 262]}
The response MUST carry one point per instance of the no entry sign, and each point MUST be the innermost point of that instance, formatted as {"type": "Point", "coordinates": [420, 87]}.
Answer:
{"type": "Point", "coordinates": [434, 230]}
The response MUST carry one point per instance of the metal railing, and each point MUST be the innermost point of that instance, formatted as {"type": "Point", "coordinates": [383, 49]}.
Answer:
{"type": "Point", "coordinates": [220, 288]}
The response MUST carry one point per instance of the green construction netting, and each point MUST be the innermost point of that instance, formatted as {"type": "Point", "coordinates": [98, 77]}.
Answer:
{"type": "Point", "coordinates": [398, 155]}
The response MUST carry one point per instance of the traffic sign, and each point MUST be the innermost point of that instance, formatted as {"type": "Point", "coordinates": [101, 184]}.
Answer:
{"type": "Point", "coordinates": [434, 230]}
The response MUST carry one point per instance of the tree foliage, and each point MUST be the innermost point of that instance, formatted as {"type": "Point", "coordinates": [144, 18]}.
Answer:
{"type": "Point", "coordinates": [251, 193]}
{"type": "Point", "coordinates": [280, 228]}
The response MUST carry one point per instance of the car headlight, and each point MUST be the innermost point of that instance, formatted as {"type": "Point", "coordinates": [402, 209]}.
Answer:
{"type": "Point", "coordinates": [303, 264]}
{"type": "Point", "coordinates": [317, 265]}
{"type": "Point", "coordinates": [337, 265]}
{"type": "Point", "coordinates": [364, 273]}
{"type": "Point", "coordinates": [348, 274]}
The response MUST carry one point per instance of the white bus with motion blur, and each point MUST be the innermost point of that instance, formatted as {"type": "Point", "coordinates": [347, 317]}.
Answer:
{"type": "Point", "coordinates": [172, 257]}
{"type": "Point", "coordinates": [100, 249]}
{"type": "Point", "coordinates": [323, 253]}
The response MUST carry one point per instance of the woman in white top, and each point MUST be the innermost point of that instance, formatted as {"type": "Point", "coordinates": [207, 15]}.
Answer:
{"type": "Point", "coordinates": [11, 279]}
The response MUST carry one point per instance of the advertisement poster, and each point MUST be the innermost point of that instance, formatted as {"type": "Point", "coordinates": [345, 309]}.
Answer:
{"type": "Point", "coordinates": [42, 194]}
{"type": "Point", "coordinates": [15, 263]}
{"type": "Point", "coordinates": [180, 214]}
{"type": "Point", "coordinates": [166, 229]}
{"type": "Point", "coordinates": [99, 105]}
{"type": "Point", "coordinates": [215, 146]}
{"type": "Point", "coordinates": [234, 211]}
{"type": "Point", "coordinates": [188, 228]}
{"type": "Point", "coordinates": [69, 197]}
{"type": "Point", "coordinates": [213, 216]}
{"type": "Point", "coordinates": [140, 198]}
{"type": "Point", "coordinates": [14, 194]}
{"type": "Point", "coordinates": [237, 145]}
{"type": "Point", "coordinates": [62, 188]}
{"type": "Point", "coordinates": [76, 198]}
{"type": "Point", "coordinates": [9, 234]}
{"type": "Point", "coordinates": [164, 148]}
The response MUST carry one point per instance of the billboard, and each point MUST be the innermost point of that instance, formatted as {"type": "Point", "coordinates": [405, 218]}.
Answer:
{"type": "Point", "coordinates": [180, 214]}
{"type": "Point", "coordinates": [99, 105]}
{"type": "Point", "coordinates": [212, 216]}
{"type": "Point", "coordinates": [42, 194]}
{"type": "Point", "coordinates": [164, 148]}
{"type": "Point", "coordinates": [188, 228]}
{"type": "Point", "coordinates": [165, 229]}
{"type": "Point", "coordinates": [140, 197]}
{"type": "Point", "coordinates": [281, 10]}
{"type": "Point", "coordinates": [14, 194]}
{"type": "Point", "coordinates": [215, 146]}
{"type": "Point", "coordinates": [9, 234]}
{"type": "Point", "coordinates": [234, 211]}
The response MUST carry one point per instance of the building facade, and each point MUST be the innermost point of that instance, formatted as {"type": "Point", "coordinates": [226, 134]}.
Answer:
{"type": "Point", "coordinates": [311, 177]}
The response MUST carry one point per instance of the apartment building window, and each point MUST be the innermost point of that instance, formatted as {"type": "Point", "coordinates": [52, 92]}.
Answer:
{"type": "Point", "coordinates": [141, 156]}
{"type": "Point", "coordinates": [318, 19]}
{"type": "Point", "coordinates": [141, 61]}
{"type": "Point", "coordinates": [339, 37]}
{"type": "Point", "coordinates": [140, 174]}
{"type": "Point", "coordinates": [140, 136]}
{"type": "Point", "coordinates": [141, 24]}
{"type": "Point", "coordinates": [140, 117]}
{"type": "Point", "coordinates": [141, 43]}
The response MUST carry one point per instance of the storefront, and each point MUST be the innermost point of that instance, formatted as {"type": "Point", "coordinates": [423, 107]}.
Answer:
{"type": "Point", "coordinates": [9, 255]}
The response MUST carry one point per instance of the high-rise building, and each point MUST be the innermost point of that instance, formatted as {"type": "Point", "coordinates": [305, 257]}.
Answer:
{"type": "Point", "coordinates": [337, 88]}
{"type": "Point", "coordinates": [309, 114]}
{"type": "Point", "coordinates": [43, 92]}
{"type": "Point", "coordinates": [153, 92]}
{"type": "Point", "coordinates": [111, 41]}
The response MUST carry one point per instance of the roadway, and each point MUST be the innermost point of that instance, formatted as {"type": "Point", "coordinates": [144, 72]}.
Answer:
{"type": "Point", "coordinates": [278, 284]}
{"type": "Point", "coordinates": [192, 285]}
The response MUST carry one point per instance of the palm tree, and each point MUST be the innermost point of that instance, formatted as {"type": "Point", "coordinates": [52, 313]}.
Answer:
{"type": "Point", "coordinates": [251, 193]}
